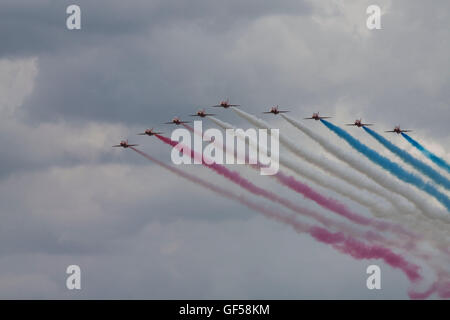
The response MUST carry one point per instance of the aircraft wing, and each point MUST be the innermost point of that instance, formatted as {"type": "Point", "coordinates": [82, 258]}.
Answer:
{"type": "Point", "coordinates": [390, 131]}
{"type": "Point", "coordinates": [406, 130]}
{"type": "Point", "coordinates": [350, 124]}
{"type": "Point", "coordinates": [282, 111]}
{"type": "Point", "coordinates": [325, 117]}
{"type": "Point", "coordinates": [171, 122]}
{"type": "Point", "coordinates": [216, 106]}
{"type": "Point", "coordinates": [308, 118]}
{"type": "Point", "coordinates": [184, 121]}
{"type": "Point", "coordinates": [141, 134]}
{"type": "Point", "coordinates": [267, 112]}
{"type": "Point", "coordinates": [133, 145]}
{"type": "Point", "coordinates": [367, 124]}
{"type": "Point", "coordinates": [194, 115]}
{"type": "Point", "coordinates": [234, 105]}
{"type": "Point", "coordinates": [117, 145]}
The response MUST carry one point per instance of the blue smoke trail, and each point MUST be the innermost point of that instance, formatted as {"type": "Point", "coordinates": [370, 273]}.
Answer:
{"type": "Point", "coordinates": [388, 165]}
{"type": "Point", "coordinates": [438, 161]}
{"type": "Point", "coordinates": [405, 156]}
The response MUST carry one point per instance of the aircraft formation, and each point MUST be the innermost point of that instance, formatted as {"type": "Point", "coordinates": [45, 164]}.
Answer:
{"type": "Point", "coordinates": [403, 207]}
{"type": "Point", "coordinates": [273, 110]}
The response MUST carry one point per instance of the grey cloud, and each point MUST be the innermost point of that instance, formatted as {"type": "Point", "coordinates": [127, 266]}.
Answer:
{"type": "Point", "coordinates": [139, 232]}
{"type": "Point", "coordinates": [174, 67]}
{"type": "Point", "coordinates": [243, 260]}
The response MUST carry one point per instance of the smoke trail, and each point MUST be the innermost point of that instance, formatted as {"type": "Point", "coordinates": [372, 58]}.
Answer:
{"type": "Point", "coordinates": [301, 188]}
{"type": "Point", "coordinates": [408, 246]}
{"type": "Point", "coordinates": [376, 224]}
{"type": "Point", "coordinates": [421, 225]}
{"type": "Point", "coordinates": [339, 208]}
{"type": "Point", "coordinates": [326, 202]}
{"type": "Point", "coordinates": [437, 160]}
{"type": "Point", "coordinates": [330, 182]}
{"type": "Point", "coordinates": [244, 183]}
{"type": "Point", "coordinates": [405, 156]}
{"type": "Point", "coordinates": [353, 248]}
{"type": "Point", "coordinates": [341, 242]}
{"type": "Point", "coordinates": [425, 294]}
{"type": "Point", "coordinates": [441, 286]}
{"type": "Point", "coordinates": [188, 127]}
{"type": "Point", "coordinates": [388, 165]}
{"type": "Point", "coordinates": [344, 243]}
{"type": "Point", "coordinates": [377, 176]}
{"type": "Point", "coordinates": [323, 163]}
{"type": "Point", "coordinates": [336, 206]}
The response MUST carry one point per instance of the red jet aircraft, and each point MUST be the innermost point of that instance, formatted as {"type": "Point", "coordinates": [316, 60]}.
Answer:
{"type": "Point", "coordinates": [225, 104]}
{"type": "Point", "coordinates": [124, 144]}
{"type": "Point", "coordinates": [359, 124]}
{"type": "Point", "coordinates": [316, 117]}
{"type": "Point", "coordinates": [275, 110]}
{"type": "Point", "coordinates": [149, 132]}
{"type": "Point", "coordinates": [397, 130]}
{"type": "Point", "coordinates": [202, 114]}
{"type": "Point", "coordinates": [176, 121]}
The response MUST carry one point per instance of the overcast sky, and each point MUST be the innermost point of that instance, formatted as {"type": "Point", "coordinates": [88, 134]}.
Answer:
{"type": "Point", "coordinates": [136, 231]}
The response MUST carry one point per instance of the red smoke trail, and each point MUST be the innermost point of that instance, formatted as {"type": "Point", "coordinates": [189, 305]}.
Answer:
{"type": "Point", "coordinates": [444, 290]}
{"type": "Point", "coordinates": [425, 294]}
{"type": "Point", "coordinates": [189, 128]}
{"type": "Point", "coordinates": [360, 250]}
{"type": "Point", "coordinates": [199, 133]}
{"type": "Point", "coordinates": [441, 286]}
{"type": "Point", "coordinates": [336, 206]}
{"type": "Point", "coordinates": [328, 203]}
{"type": "Point", "coordinates": [345, 244]}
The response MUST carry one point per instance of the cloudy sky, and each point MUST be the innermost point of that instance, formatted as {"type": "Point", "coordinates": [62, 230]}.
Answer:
{"type": "Point", "coordinates": [136, 231]}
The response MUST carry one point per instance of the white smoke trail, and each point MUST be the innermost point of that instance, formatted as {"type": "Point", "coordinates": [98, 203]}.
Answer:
{"type": "Point", "coordinates": [379, 177]}
{"type": "Point", "coordinates": [407, 247]}
{"type": "Point", "coordinates": [407, 243]}
{"type": "Point", "coordinates": [414, 219]}
{"type": "Point", "coordinates": [321, 179]}
{"type": "Point", "coordinates": [321, 162]}
{"type": "Point", "coordinates": [422, 226]}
